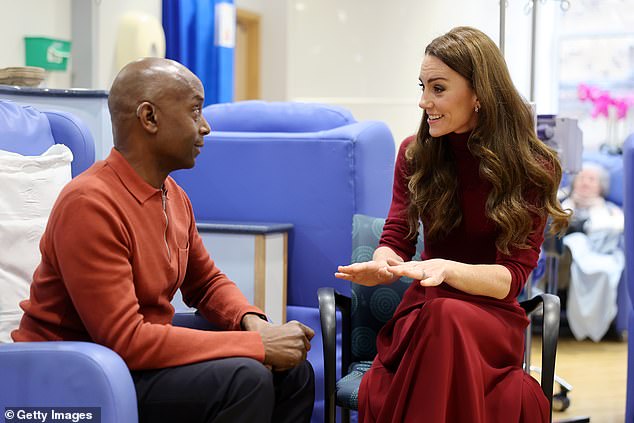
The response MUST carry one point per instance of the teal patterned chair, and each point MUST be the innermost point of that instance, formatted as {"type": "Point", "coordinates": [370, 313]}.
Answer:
{"type": "Point", "coordinates": [369, 308]}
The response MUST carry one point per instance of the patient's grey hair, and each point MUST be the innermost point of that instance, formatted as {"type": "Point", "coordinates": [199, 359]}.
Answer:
{"type": "Point", "coordinates": [604, 176]}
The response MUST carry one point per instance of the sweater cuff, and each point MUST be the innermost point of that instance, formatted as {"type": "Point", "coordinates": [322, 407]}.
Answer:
{"type": "Point", "coordinates": [514, 289]}
{"type": "Point", "coordinates": [258, 347]}
{"type": "Point", "coordinates": [398, 252]}
{"type": "Point", "coordinates": [260, 315]}
{"type": "Point", "coordinates": [250, 309]}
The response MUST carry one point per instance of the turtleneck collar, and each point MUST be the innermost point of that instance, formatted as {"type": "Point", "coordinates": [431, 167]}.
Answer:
{"type": "Point", "coordinates": [453, 137]}
{"type": "Point", "coordinates": [458, 143]}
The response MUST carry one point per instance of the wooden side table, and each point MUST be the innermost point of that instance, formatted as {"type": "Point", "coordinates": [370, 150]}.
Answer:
{"type": "Point", "coordinates": [254, 256]}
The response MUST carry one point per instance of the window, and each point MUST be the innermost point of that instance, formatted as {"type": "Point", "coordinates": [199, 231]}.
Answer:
{"type": "Point", "coordinates": [585, 67]}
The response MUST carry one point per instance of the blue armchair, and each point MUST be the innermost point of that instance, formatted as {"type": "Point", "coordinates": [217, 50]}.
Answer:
{"type": "Point", "coordinates": [60, 374]}
{"type": "Point", "coordinates": [307, 164]}
{"type": "Point", "coordinates": [311, 165]}
{"type": "Point", "coordinates": [628, 209]}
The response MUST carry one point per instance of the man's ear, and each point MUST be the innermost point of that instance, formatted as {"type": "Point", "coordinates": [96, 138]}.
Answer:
{"type": "Point", "coordinates": [146, 112]}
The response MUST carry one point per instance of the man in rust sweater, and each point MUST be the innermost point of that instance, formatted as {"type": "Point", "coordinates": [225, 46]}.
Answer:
{"type": "Point", "coordinates": [121, 239]}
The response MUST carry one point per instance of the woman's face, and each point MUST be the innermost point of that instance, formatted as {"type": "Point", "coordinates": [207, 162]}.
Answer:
{"type": "Point", "coordinates": [448, 100]}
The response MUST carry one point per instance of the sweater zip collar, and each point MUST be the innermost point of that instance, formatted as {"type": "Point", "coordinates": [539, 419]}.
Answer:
{"type": "Point", "coordinates": [164, 202]}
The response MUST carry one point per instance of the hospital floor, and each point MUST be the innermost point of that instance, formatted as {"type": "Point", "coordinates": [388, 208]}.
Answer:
{"type": "Point", "coordinates": [597, 372]}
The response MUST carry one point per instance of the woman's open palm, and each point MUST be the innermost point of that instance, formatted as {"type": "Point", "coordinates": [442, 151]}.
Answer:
{"type": "Point", "coordinates": [367, 273]}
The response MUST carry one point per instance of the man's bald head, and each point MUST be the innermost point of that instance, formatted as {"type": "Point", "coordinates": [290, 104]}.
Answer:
{"type": "Point", "coordinates": [145, 80]}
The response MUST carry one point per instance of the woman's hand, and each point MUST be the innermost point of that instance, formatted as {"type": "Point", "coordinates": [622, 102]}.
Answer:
{"type": "Point", "coordinates": [369, 273]}
{"type": "Point", "coordinates": [431, 272]}
{"type": "Point", "coordinates": [491, 280]}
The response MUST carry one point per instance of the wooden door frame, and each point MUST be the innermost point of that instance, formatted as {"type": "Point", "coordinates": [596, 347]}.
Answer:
{"type": "Point", "coordinates": [251, 21]}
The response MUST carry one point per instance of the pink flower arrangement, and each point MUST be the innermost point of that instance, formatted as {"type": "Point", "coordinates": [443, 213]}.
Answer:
{"type": "Point", "coordinates": [602, 100]}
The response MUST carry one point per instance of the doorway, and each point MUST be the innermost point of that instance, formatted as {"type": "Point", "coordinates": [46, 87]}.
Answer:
{"type": "Point", "coordinates": [247, 56]}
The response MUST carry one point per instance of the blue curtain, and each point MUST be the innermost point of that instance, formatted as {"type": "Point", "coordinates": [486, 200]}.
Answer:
{"type": "Point", "coordinates": [200, 34]}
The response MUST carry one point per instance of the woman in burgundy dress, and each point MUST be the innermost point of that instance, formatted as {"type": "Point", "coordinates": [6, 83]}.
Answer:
{"type": "Point", "coordinates": [483, 186]}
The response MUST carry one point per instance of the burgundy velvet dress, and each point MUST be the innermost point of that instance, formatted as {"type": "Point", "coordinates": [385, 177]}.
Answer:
{"type": "Point", "coordinates": [448, 356]}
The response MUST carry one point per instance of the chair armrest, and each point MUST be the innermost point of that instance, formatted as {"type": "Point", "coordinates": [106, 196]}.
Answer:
{"type": "Point", "coordinates": [67, 374]}
{"type": "Point", "coordinates": [329, 301]}
{"type": "Point", "coordinates": [192, 321]}
{"type": "Point", "coordinates": [550, 335]}
{"type": "Point", "coordinates": [328, 319]}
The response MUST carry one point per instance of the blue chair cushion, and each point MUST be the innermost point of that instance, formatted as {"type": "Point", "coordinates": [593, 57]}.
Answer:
{"type": "Point", "coordinates": [348, 386]}
{"type": "Point", "coordinates": [372, 306]}
{"type": "Point", "coordinates": [25, 130]}
{"type": "Point", "coordinates": [275, 117]}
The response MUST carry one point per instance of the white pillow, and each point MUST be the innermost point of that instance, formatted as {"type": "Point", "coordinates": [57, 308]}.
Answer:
{"type": "Point", "coordinates": [29, 186]}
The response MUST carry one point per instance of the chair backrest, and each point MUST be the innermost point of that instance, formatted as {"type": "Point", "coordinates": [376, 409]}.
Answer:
{"type": "Point", "coordinates": [372, 307]}
{"type": "Point", "coordinates": [263, 116]}
{"type": "Point", "coordinates": [311, 165]}
{"type": "Point", "coordinates": [30, 132]}
{"type": "Point", "coordinates": [31, 181]}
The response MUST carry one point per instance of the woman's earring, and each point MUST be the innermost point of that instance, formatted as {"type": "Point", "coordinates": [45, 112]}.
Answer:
{"type": "Point", "coordinates": [477, 108]}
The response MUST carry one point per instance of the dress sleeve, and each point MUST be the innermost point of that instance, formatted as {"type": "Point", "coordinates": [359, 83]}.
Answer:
{"type": "Point", "coordinates": [521, 261]}
{"type": "Point", "coordinates": [396, 226]}
{"type": "Point", "coordinates": [93, 254]}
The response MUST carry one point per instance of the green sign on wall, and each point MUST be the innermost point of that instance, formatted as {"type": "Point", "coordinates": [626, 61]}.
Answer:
{"type": "Point", "coordinates": [48, 53]}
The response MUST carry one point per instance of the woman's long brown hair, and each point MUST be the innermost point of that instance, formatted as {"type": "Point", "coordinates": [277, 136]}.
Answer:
{"type": "Point", "coordinates": [523, 171]}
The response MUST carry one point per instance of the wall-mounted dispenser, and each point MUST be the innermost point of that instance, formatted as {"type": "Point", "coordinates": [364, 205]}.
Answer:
{"type": "Point", "coordinates": [139, 35]}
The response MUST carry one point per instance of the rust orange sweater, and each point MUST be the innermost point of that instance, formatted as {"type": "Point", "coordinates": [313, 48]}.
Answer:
{"type": "Point", "coordinates": [114, 252]}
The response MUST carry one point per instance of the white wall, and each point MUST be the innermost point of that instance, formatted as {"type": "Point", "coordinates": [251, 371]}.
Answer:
{"type": "Point", "coordinates": [365, 54]}
{"type": "Point", "coordinates": [33, 18]}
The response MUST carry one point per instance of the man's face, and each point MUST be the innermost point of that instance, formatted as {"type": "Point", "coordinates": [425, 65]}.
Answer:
{"type": "Point", "coordinates": [182, 126]}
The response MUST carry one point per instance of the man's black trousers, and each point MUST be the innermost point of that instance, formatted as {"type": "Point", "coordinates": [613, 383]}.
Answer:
{"type": "Point", "coordinates": [228, 390]}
